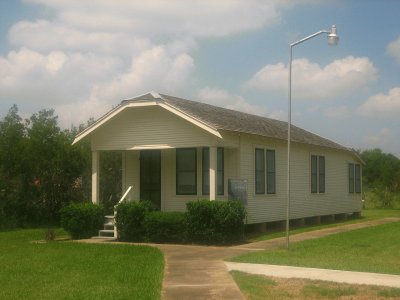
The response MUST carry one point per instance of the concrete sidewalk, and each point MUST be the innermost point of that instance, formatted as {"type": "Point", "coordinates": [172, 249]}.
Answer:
{"type": "Point", "coordinates": [199, 272]}
{"type": "Point", "coordinates": [317, 274]}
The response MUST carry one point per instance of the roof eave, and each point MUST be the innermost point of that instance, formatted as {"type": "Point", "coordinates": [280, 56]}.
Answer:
{"type": "Point", "coordinates": [126, 104]}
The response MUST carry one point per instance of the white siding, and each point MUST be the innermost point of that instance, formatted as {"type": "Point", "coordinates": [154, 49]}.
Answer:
{"type": "Point", "coordinates": [132, 174]}
{"type": "Point", "coordinates": [155, 127]}
{"type": "Point", "coordinates": [170, 201]}
{"type": "Point", "coordinates": [267, 208]}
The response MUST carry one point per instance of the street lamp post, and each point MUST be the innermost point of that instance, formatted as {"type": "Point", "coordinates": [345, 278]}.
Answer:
{"type": "Point", "coordinates": [333, 39]}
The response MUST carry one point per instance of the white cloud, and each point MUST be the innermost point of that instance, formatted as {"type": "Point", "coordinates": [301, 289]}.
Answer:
{"type": "Point", "coordinates": [382, 105]}
{"type": "Point", "coordinates": [222, 98]}
{"type": "Point", "coordinates": [380, 139]}
{"type": "Point", "coordinates": [311, 81]}
{"type": "Point", "coordinates": [337, 112]}
{"type": "Point", "coordinates": [82, 57]}
{"type": "Point", "coordinates": [154, 69]}
{"type": "Point", "coordinates": [280, 115]}
{"type": "Point", "coordinates": [28, 76]}
{"type": "Point", "coordinates": [158, 17]}
{"type": "Point", "coordinates": [394, 49]}
{"type": "Point", "coordinates": [44, 36]}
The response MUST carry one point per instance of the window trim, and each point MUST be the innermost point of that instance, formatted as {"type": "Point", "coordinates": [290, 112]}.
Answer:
{"type": "Point", "coordinates": [266, 171]}
{"type": "Point", "coordinates": [270, 172]}
{"type": "Point", "coordinates": [357, 179]}
{"type": "Point", "coordinates": [177, 171]}
{"type": "Point", "coordinates": [354, 181]}
{"type": "Point", "coordinates": [351, 177]}
{"type": "Point", "coordinates": [317, 174]}
{"type": "Point", "coordinates": [258, 171]}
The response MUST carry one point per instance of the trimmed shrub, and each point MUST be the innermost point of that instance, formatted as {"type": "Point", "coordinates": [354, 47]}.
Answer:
{"type": "Point", "coordinates": [165, 227]}
{"type": "Point", "coordinates": [82, 220]}
{"type": "Point", "coordinates": [215, 222]}
{"type": "Point", "coordinates": [130, 218]}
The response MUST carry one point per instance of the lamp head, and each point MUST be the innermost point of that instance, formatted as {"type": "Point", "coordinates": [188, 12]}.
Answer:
{"type": "Point", "coordinates": [333, 38]}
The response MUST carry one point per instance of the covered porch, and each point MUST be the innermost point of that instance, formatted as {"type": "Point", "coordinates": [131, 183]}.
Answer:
{"type": "Point", "coordinates": [169, 177]}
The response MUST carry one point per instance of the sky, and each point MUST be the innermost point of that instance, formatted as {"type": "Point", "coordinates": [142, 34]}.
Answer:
{"type": "Point", "coordinates": [83, 58]}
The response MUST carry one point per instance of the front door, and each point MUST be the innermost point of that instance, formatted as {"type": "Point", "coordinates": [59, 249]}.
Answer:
{"type": "Point", "coordinates": [150, 176]}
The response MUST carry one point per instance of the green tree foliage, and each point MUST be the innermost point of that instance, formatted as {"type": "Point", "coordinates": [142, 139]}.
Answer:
{"type": "Point", "coordinates": [41, 171]}
{"type": "Point", "coordinates": [382, 170]}
{"type": "Point", "coordinates": [12, 164]}
{"type": "Point", "coordinates": [381, 179]}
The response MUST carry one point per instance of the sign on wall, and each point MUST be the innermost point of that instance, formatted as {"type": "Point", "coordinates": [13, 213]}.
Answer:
{"type": "Point", "coordinates": [237, 190]}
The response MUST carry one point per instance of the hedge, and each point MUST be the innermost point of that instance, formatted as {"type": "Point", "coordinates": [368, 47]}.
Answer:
{"type": "Point", "coordinates": [130, 218]}
{"type": "Point", "coordinates": [82, 220]}
{"type": "Point", "coordinates": [205, 222]}
{"type": "Point", "coordinates": [165, 227]}
{"type": "Point", "coordinates": [215, 222]}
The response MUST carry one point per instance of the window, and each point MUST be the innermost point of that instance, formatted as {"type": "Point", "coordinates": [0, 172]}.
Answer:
{"type": "Point", "coordinates": [186, 171]}
{"type": "Point", "coordinates": [271, 172]}
{"type": "Point", "coordinates": [321, 183]}
{"type": "Point", "coordinates": [265, 171]}
{"type": "Point", "coordinates": [317, 174]}
{"type": "Point", "coordinates": [351, 178]}
{"type": "Point", "coordinates": [206, 171]}
{"type": "Point", "coordinates": [354, 178]}
{"type": "Point", "coordinates": [314, 174]}
{"type": "Point", "coordinates": [357, 178]}
{"type": "Point", "coordinates": [260, 171]}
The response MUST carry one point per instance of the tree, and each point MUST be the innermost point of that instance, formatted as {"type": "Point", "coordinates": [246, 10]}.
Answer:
{"type": "Point", "coordinates": [381, 170]}
{"type": "Point", "coordinates": [381, 178]}
{"type": "Point", "coordinates": [12, 142]}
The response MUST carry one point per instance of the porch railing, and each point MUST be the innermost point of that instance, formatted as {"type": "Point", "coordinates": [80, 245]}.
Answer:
{"type": "Point", "coordinates": [115, 209]}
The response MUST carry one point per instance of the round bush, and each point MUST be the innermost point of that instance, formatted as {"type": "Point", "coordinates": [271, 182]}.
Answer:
{"type": "Point", "coordinates": [215, 222]}
{"type": "Point", "coordinates": [82, 220]}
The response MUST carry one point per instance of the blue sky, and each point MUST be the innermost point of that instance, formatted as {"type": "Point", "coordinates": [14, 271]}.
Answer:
{"type": "Point", "coordinates": [83, 58]}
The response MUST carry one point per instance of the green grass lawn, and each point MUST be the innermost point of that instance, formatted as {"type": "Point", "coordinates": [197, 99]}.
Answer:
{"type": "Point", "coordinates": [367, 215]}
{"type": "Point", "coordinates": [258, 287]}
{"type": "Point", "coordinates": [373, 249]}
{"type": "Point", "coordinates": [68, 270]}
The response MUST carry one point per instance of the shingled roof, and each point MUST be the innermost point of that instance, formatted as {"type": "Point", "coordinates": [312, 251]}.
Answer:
{"type": "Point", "coordinates": [235, 121]}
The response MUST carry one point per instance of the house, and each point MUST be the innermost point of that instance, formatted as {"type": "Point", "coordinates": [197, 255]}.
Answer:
{"type": "Point", "coordinates": [175, 150]}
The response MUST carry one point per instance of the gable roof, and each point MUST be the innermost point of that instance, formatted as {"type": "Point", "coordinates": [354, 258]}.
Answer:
{"type": "Point", "coordinates": [213, 119]}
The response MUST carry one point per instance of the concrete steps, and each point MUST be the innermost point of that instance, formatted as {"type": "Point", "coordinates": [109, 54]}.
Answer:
{"type": "Point", "coordinates": [108, 232]}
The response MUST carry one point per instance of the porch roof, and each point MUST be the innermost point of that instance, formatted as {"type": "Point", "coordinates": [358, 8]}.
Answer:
{"type": "Point", "coordinates": [215, 119]}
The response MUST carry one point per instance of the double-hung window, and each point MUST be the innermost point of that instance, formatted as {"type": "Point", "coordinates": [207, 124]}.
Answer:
{"type": "Point", "coordinates": [206, 171]}
{"type": "Point", "coordinates": [354, 178]}
{"type": "Point", "coordinates": [265, 172]}
{"type": "Point", "coordinates": [186, 171]}
{"type": "Point", "coordinates": [317, 174]}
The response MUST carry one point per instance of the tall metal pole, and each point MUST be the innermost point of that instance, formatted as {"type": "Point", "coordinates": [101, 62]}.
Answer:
{"type": "Point", "coordinates": [288, 146]}
{"type": "Point", "coordinates": [332, 40]}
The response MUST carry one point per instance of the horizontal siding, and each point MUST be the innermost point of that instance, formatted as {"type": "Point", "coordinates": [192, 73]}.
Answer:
{"type": "Point", "coordinates": [132, 173]}
{"type": "Point", "coordinates": [170, 201]}
{"type": "Point", "coordinates": [239, 164]}
{"type": "Point", "coordinates": [268, 208]}
{"type": "Point", "coordinates": [155, 126]}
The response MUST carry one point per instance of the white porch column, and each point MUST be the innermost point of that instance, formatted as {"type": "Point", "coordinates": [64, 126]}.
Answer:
{"type": "Point", "coordinates": [123, 162]}
{"type": "Point", "coordinates": [95, 176]}
{"type": "Point", "coordinates": [213, 173]}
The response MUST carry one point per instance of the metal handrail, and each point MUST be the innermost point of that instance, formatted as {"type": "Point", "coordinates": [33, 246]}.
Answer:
{"type": "Point", "coordinates": [115, 209]}
{"type": "Point", "coordinates": [124, 196]}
